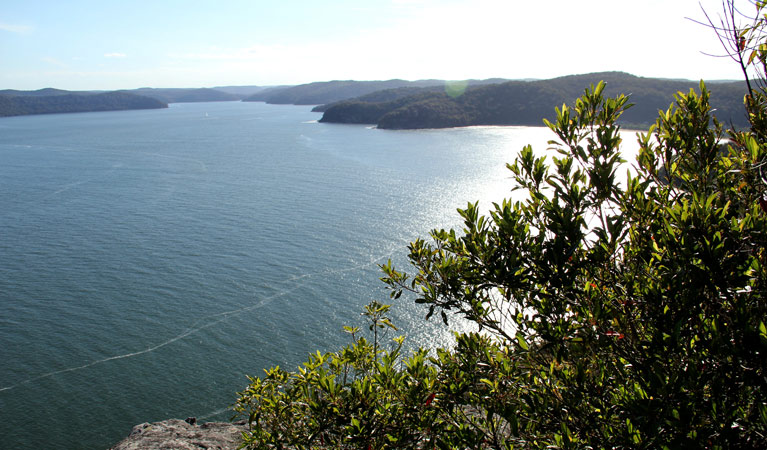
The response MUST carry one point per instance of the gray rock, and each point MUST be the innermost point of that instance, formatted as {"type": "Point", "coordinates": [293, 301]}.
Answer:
{"type": "Point", "coordinates": [176, 434]}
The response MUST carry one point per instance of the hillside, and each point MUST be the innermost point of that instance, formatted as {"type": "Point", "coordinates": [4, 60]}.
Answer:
{"type": "Point", "coordinates": [322, 93]}
{"type": "Point", "coordinates": [386, 95]}
{"type": "Point", "coordinates": [180, 95]}
{"type": "Point", "coordinates": [46, 92]}
{"type": "Point", "coordinates": [17, 105]}
{"type": "Point", "coordinates": [240, 91]}
{"type": "Point", "coordinates": [329, 91]}
{"type": "Point", "coordinates": [526, 102]}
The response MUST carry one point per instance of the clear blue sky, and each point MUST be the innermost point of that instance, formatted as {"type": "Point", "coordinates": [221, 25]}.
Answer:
{"type": "Point", "coordinates": [103, 44]}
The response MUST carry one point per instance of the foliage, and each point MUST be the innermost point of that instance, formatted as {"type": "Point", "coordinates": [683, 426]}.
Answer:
{"type": "Point", "coordinates": [613, 314]}
{"type": "Point", "coordinates": [353, 398]}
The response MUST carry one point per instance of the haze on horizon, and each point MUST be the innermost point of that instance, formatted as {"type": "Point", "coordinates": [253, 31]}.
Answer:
{"type": "Point", "coordinates": [87, 44]}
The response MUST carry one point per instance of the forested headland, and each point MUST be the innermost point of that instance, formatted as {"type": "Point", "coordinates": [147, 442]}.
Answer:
{"type": "Point", "coordinates": [401, 104]}
{"type": "Point", "coordinates": [52, 101]}
{"type": "Point", "coordinates": [182, 95]}
{"type": "Point", "coordinates": [48, 101]}
{"type": "Point", "coordinates": [524, 102]}
{"type": "Point", "coordinates": [324, 92]}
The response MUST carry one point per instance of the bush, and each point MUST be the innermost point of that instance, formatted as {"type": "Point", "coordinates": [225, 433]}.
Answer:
{"type": "Point", "coordinates": [611, 315]}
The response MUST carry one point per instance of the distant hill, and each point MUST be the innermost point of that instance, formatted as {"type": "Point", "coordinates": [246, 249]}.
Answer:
{"type": "Point", "coordinates": [240, 91]}
{"type": "Point", "coordinates": [41, 92]}
{"type": "Point", "coordinates": [526, 102]}
{"type": "Point", "coordinates": [264, 94]}
{"type": "Point", "coordinates": [32, 102]}
{"type": "Point", "coordinates": [383, 96]}
{"type": "Point", "coordinates": [181, 95]}
{"type": "Point", "coordinates": [49, 100]}
{"type": "Point", "coordinates": [401, 92]}
{"type": "Point", "coordinates": [324, 92]}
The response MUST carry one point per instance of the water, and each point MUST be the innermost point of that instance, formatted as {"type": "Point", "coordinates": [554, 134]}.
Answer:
{"type": "Point", "coordinates": [150, 260]}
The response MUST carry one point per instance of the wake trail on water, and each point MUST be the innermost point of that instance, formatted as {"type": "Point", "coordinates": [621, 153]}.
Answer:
{"type": "Point", "coordinates": [200, 164]}
{"type": "Point", "coordinates": [69, 186]}
{"type": "Point", "coordinates": [209, 321]}
{"type": "Point", "coordinates": [218, 412]}
{"type": "Point", "coordinates": [189, 331]}
{"type": "Point", "coordinates": [343, 270]}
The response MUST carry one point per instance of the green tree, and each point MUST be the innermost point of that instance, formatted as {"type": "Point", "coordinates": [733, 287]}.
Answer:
{"type": "Point", "coordinates": [635, 313]}
{"type": "Point", "coordinates": [612, 314]}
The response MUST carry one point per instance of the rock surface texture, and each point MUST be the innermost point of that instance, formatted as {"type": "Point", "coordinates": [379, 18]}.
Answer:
{"type": "Point", "coordinates": [178, 434]}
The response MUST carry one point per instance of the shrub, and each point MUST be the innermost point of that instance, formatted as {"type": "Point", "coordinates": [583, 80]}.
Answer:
{"type": "Point", "coordinates": [612, 315]}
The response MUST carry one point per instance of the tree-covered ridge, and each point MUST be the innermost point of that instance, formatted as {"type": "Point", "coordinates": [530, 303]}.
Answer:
{"type": "Point", "coordinates": [526, 102]}
{"type": "Point", "coordinates": [324, 92]}
{"type": "Point", "coordinates": [383, 96]}
{"type": "Point", "coordinates": [49, 100]}
{"type": "Point", "coordinates": [329, 91]}
{"type": "Point", "coordinates": [240, 91]}
{"type": "Point", "coordinates": [17, 105]}
{"type": "Point", "coordinates": [45, 92]}
{"type": "Point", "coordinates": [182, 95]}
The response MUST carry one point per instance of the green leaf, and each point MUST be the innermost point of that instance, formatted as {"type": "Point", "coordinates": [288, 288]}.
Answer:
{"type": "Point", "coordinates": [522, 342]}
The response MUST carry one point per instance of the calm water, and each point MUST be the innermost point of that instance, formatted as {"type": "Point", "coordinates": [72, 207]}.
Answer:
{"type": "Point", "coordinates": [149, 260]}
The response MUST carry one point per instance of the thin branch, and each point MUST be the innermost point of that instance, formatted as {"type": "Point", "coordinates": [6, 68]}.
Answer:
{"type": "Point", "coordinates": [735, 38]}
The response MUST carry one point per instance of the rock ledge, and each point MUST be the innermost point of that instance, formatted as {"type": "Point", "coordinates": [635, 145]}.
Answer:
{"type": "Point", "coordinates": [178, 434]}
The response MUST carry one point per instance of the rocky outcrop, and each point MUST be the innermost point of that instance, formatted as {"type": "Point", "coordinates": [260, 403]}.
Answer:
{"type": "Point", "coordinates": [183, 435]}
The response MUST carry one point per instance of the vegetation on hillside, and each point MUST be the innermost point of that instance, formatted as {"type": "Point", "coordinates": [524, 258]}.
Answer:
{"type": "Point", "coordinates": [45, 92]}
{"type": "Point", "coordinates": [48, 101]}
{"type": "Point", "coordinates": [383, 96]}
{"type": "Point", "coordinates": [181, 95]}
{"type": "Point", "coordinates": [525, 103]}
{"type": "Point", "coordinates": [240, 91]}
{"type": "Point", "coordinates": [325, 92]}
{"type": "Point", "coordinates": [612, 314]}
{"type": "Point", "coordinates": [370, 111]}
{"type": "Point", "coordinates": [17, 105]}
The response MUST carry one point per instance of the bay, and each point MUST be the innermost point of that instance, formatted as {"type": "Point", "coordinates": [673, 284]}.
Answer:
{"type": "Point", "coordinates": [150, 260]}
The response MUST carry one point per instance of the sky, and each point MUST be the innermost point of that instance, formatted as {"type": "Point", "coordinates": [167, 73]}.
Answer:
{"type": "Point", "coordinates": [110, 44]}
